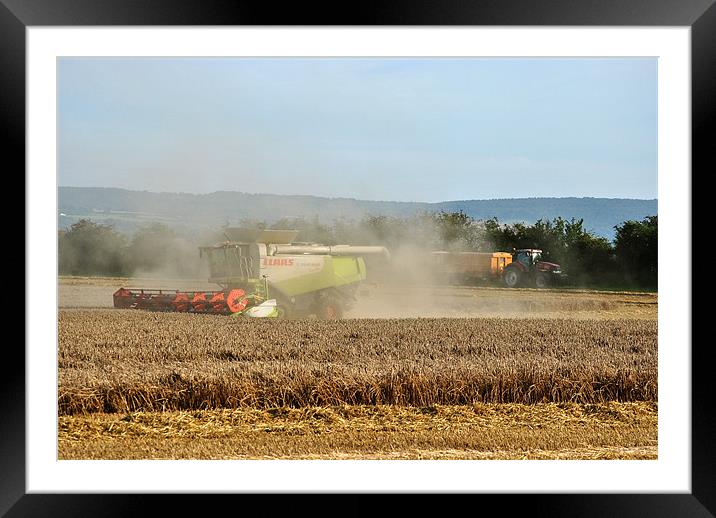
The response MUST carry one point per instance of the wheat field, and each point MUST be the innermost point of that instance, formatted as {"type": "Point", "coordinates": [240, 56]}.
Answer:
{"type": "Point", "coordinates": [127, 360]}
{"type": "Point", "coordinates": [134, 384]}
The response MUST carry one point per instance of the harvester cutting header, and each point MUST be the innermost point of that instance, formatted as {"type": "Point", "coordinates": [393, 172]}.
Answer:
{"type": "Point", "coordinates": [264, 273]}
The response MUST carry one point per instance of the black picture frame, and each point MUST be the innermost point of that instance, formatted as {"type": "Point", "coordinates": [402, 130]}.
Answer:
{"type": "Point", "coordinates": [699, 15]}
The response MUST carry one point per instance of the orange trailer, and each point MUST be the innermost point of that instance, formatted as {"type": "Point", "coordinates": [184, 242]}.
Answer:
{"type": "Point", "coordinates": [471, 265]}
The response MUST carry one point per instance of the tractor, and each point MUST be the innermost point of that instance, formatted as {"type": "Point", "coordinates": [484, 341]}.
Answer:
{"type": "Point", "coordinates": [528, 269]}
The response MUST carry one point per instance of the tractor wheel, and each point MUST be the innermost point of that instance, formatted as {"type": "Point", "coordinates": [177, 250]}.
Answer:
{"type": "Point", "coordinates": [541, 281]}
{"type": "Point", "coordinates": [511, 276]}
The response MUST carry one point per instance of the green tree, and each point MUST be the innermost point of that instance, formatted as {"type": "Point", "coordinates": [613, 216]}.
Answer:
{"type": "Point", "coordinates": [156, 249]}
{"type": "Point", "coordinates": [151, 247]}
{"type": "Point", "coordinates": [385, 230]}
{"type": "Point", "coordinates": [89, 248]}
{"type": "Point", "coordinates": [458, 231]}
{"type": "Point", "coordinates": [588, 259]}
{"type": "Point", "coordinates": [636, 248]}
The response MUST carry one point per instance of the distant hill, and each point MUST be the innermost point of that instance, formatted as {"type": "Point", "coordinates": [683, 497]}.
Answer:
{"type": "Point", "coordinates": [126, 209]}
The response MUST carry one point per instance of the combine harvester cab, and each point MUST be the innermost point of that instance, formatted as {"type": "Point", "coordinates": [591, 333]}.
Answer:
{"type": "Point", "coordinates": [263, 273]}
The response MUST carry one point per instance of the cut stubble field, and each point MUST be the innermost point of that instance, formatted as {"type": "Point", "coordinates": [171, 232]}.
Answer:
{"type": "Point", "coordinates": [479, 431]}
{"type": "Point", "coordinates": [134, 384]}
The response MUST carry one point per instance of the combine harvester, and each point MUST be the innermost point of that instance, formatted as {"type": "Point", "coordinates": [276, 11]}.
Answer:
{"type": "Point", "coordinates": [263, 273]}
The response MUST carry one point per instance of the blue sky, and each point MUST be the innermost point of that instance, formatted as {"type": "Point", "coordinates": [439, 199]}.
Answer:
{"type": "Point", "coordinates": [417, 129]}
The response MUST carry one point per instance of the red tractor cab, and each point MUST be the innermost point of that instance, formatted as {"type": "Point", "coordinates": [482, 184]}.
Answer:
{"type": "Point", "coordinates": [528, 269]}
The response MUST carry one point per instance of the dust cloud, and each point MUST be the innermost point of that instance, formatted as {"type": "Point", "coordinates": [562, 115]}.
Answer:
{"type": "Point", "coordinates": [410, 301]}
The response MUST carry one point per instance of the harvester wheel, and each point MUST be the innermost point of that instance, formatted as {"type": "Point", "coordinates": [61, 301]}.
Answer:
{"type": "Point", "coordinates": [284, 308]}
{"type": "Point", "coordinates": [330, 309]}
{"type": "Point", "coordinates": [511, 276]}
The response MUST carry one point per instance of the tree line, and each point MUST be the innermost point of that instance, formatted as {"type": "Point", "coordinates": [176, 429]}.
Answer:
{"type": "Point", "coordinates": [627, 261]}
